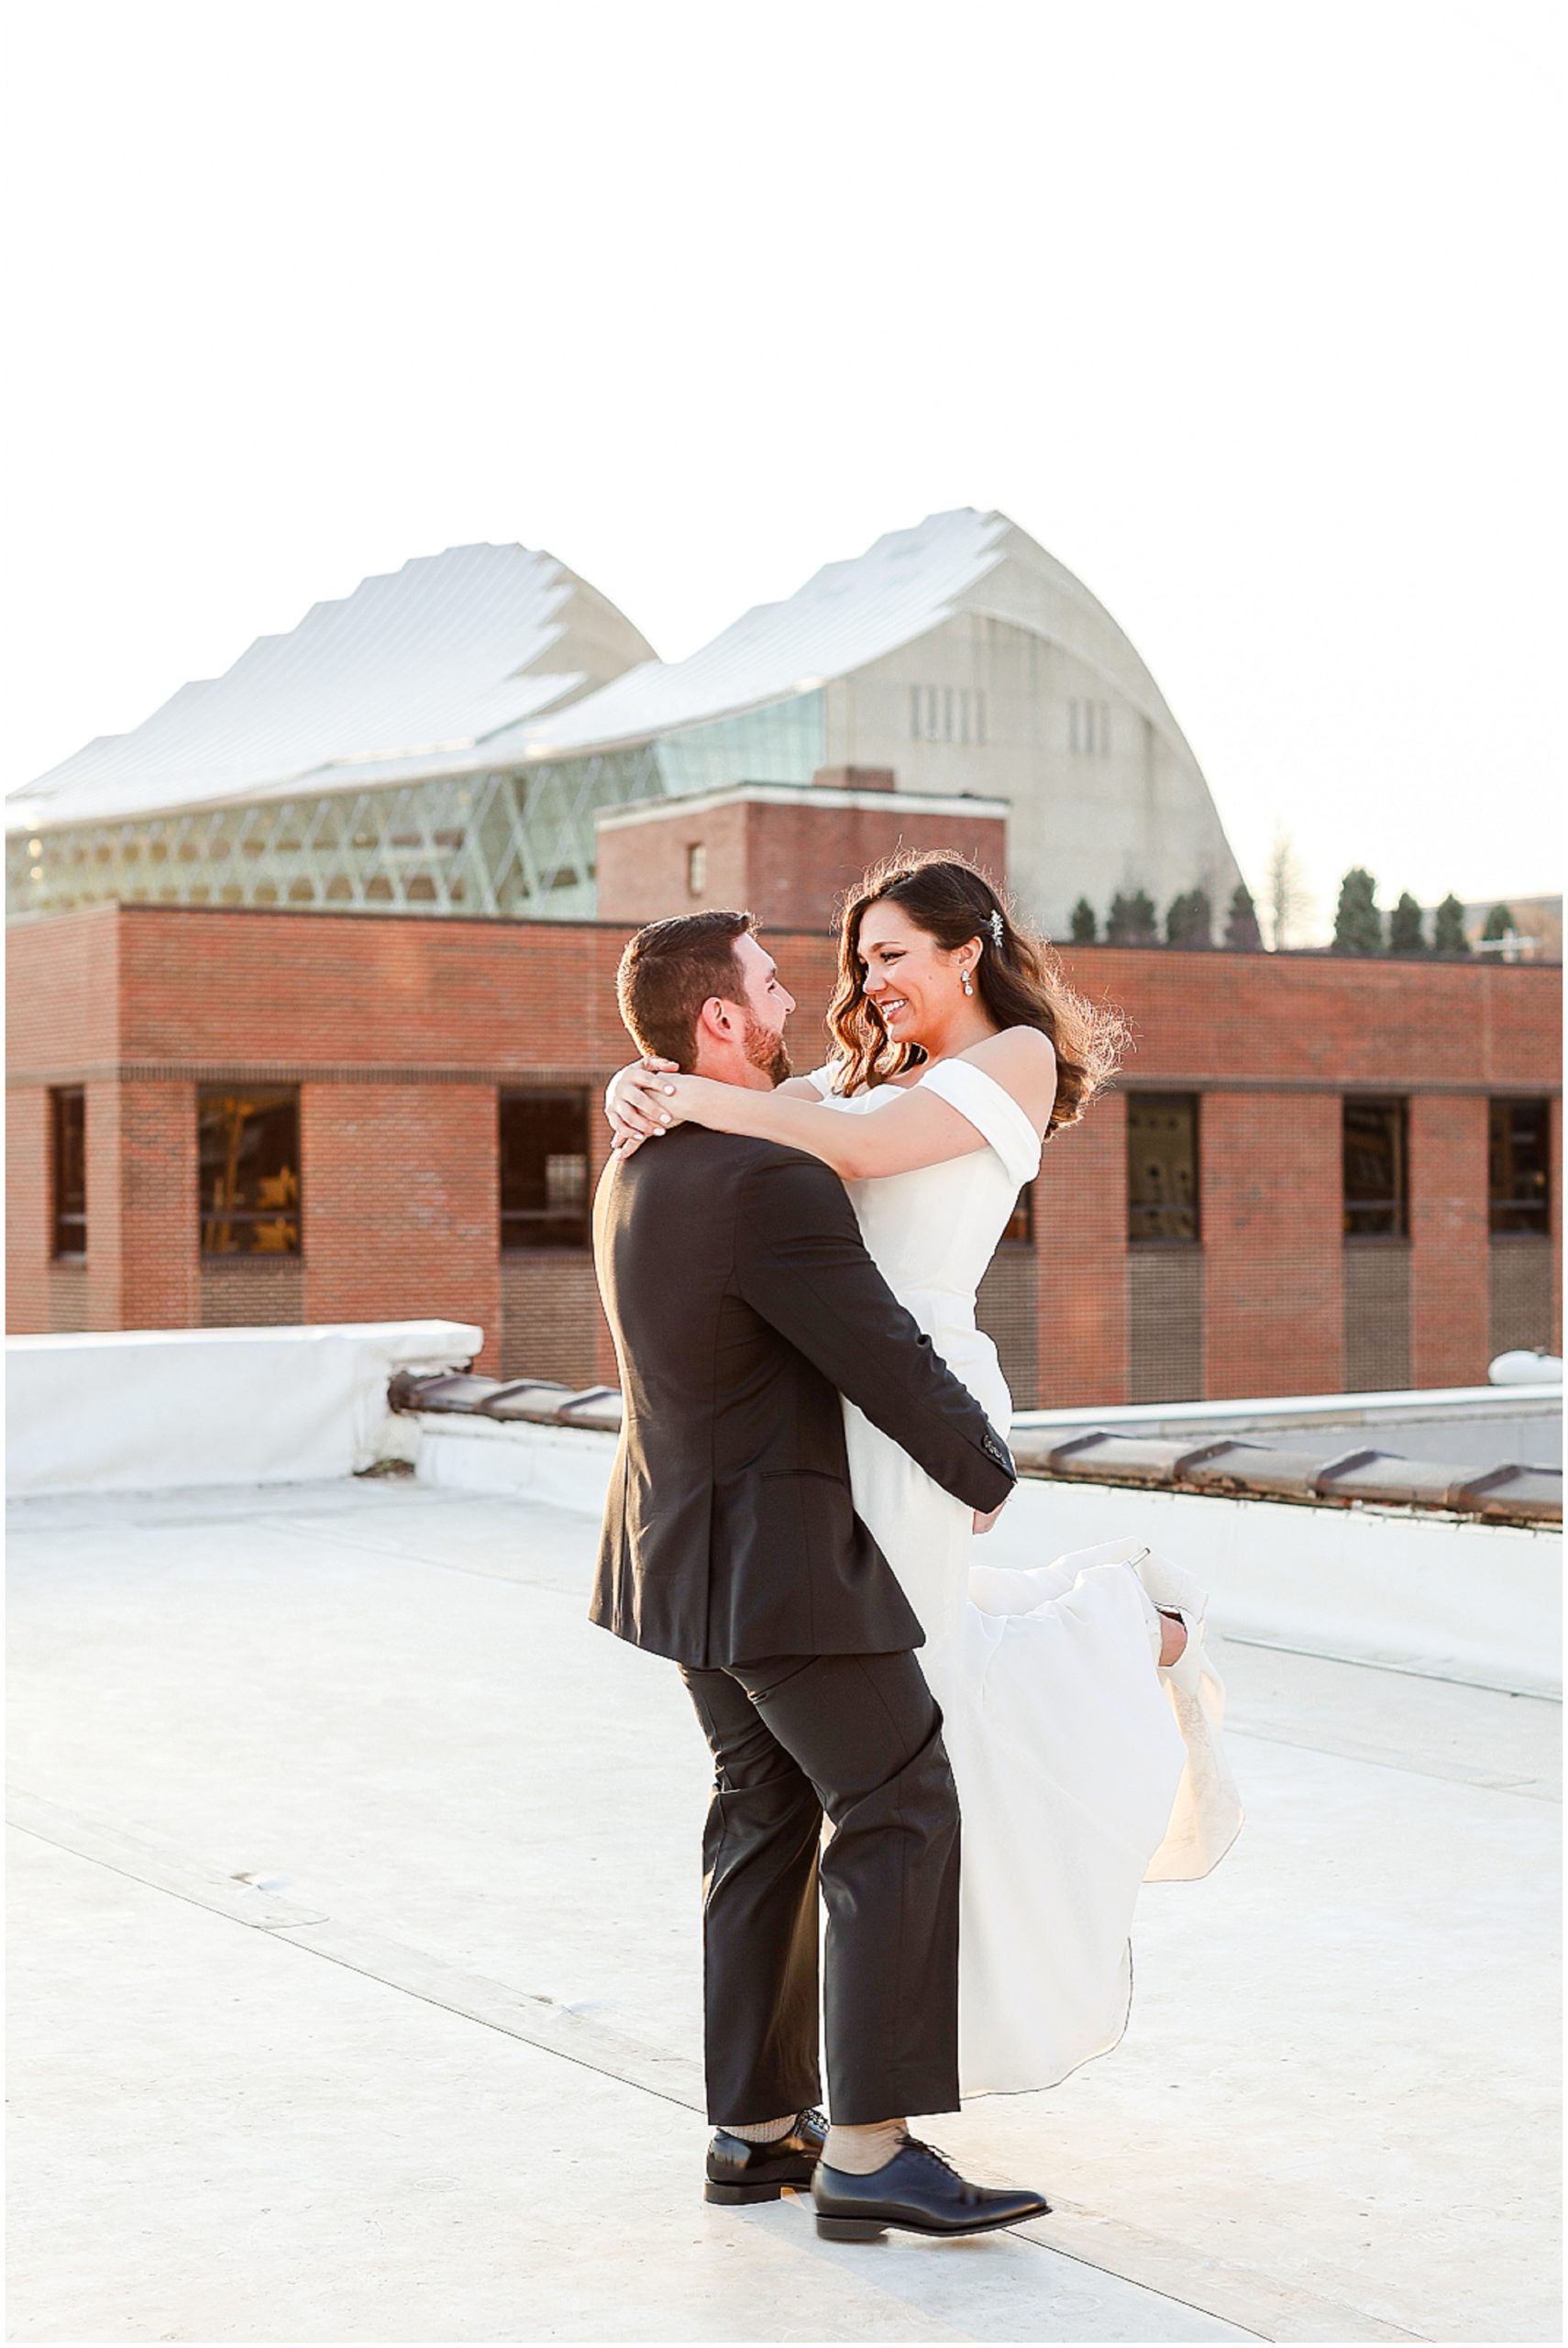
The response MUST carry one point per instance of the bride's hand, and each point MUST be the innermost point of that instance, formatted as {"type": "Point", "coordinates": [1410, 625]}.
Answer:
{"type": "Point", "coordinates": [636, 1102]}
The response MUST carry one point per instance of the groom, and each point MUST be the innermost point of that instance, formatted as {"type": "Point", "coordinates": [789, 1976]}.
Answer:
{"type": "Point", "coordinates": [743, 1304]}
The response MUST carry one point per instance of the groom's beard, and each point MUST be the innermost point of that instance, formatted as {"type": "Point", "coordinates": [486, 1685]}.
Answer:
{"type": "Point", "coordinates": [766, 1050]}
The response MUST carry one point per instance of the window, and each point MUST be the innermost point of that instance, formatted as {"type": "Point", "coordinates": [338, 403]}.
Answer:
{"type": "Point", "coordinates": [1088, 727]}
{"type": "Point", "coordinates": [247, 1142]}
{"type": "Point", "coordinates": [1518, 1159]}
{"type": "Point", "coordinates": [544, 1170]}
{"type": "Point", "coordinates": [1377, 1204]}
{"type": "Point", "coordinates": [696, 869]}
{"type": "Point", "coordinates": [68, 1121]}
{"type": "Point", "coordinates": [1162, 1166]}
{"type": "Point", "coordinates": [946, 714]}
{"type": "Point", "coordinates": [1021, 1222]}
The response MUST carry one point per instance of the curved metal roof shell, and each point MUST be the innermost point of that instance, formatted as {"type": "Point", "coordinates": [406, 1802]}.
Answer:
{"type": "Point", "coordinates": [404, 676]}
{"type": "Point", "coordinates": [436, 670]}
{"type": "Point", "coordinates": [848, 614]}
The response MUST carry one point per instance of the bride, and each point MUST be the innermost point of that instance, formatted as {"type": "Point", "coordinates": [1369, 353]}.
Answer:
{"type": "Point", "coordinates": [1081, 1714]}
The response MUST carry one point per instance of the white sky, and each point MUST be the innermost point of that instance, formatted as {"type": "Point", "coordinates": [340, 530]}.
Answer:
{"type": "Point", "coordinates": [1247, 313]}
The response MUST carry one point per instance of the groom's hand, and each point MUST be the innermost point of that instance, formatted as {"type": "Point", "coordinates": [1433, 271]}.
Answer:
{"type": "Point", "coordinates": [983, 1524]}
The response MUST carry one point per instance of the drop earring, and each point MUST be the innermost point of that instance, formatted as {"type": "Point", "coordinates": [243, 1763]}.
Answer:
{"type": "Point", "coordinates": [968, 987]}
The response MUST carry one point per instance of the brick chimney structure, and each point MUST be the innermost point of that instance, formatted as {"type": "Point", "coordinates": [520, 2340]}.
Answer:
{"type": "Point", "coordinates": [783, 850]}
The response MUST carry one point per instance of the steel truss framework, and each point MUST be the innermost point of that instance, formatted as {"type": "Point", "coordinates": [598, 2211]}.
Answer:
{"type": "Point", "coordinates": [517, 844]}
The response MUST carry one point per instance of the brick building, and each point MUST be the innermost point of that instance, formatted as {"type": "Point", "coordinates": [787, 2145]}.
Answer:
{"type": "Point", "coordinates": [1314, 1173]}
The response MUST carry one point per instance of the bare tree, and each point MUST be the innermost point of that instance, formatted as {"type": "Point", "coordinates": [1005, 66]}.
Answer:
{"type": "Point", "coordinates": [1286, 900]}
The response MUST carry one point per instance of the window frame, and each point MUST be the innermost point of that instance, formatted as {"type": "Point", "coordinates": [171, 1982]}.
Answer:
{"type": "Point", "coordinates": [294, 1212]}
{"type": "Point", "coordinates": [1141, 1239]}
{"type": "Point", "coordinates": [508, 1095]}
{"type": "Point", "coordinates": [59, 1214]}
{"type": "Point", "coordinates": [1499, 1207]}
{"type": "Point", "coordinates": [1400, 1205]}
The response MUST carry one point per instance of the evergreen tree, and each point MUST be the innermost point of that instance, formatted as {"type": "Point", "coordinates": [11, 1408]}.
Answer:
{"type": "Point", "coordinates": [1134, 921]}
{"type": "Point", "coordinates": [1189, 920]}
{"type": "Point", "coordinates": [1405, 935]}
{"type": "Point", "coordinates": [1358, 924]}
{"type": "Point", "coordinates": [1241, 932]}
{"type": "Point", "coordinates": [1083, 922]}
{"type": "Point", "coordinates": [1448, 929]}
{"type": "Point", "coordinates": [1499, 921]}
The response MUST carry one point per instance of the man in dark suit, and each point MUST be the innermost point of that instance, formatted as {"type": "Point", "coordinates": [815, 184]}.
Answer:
{"type": "Point", "coordinates": [743, 1304]}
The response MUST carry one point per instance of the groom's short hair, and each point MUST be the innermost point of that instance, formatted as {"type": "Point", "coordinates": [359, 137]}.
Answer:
{"type": "Point", "coordinates": [666, 974]}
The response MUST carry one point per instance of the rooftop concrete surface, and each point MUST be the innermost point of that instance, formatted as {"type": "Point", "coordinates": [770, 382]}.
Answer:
{"type": "Point", "coordinates": [355, 1993]}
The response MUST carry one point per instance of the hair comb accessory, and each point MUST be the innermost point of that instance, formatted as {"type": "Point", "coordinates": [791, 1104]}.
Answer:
{"type": "Point", "coordinates": [996, 928]}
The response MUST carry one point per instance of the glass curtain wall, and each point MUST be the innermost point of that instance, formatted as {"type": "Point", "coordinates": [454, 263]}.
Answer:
{"type": "Point", "coordinates": [518, 843]}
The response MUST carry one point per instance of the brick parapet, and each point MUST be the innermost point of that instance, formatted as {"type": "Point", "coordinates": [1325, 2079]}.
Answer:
{"type": "Point", "coordinates": [399, 1205]}
{"type": "Point", "coordinates": [401, 1029]}
{"type": "Point", "coordinates": [1080, 1247]}
{"type": "Point", "coordinates": [1449, 1266]}
{"type": "Point", "coordinates": [1271, 1217]}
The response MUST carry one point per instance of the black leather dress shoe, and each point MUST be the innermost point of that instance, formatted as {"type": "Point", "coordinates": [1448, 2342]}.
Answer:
{"type": "Point", "coordinates": [741, 2171]}
{"type": "Point", "coordinates": [918, 2191]}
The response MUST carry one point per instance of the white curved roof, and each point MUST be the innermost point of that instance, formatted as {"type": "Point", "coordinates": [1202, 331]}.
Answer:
{"type": "Point", "coordinates": [849, 613]}
{"type": "Point", "coordinates": [407, 674]}
{"type": "Point", "coordinates": [489, 656]}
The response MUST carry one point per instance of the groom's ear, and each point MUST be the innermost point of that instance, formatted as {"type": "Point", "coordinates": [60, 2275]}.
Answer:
{"type": "Point", "coordinates": [719, 1020]}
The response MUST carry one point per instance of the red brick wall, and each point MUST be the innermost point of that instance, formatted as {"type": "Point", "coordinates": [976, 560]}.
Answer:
{"type": "Point", "coordinates": [105, 1226]}
{"type": "Point", "coordinates": [400, 1216]}
{"type": "Point", "coordinates": [158, 1271]}
{"type": "Point", "coordinates": [1269, 1174]}
{"type": "Point", "coordinates": [400, 1029]}
{"type": "Point", "coordinates": [1080, 1240]}
{"type": "Point", "coordinates": [786, 862]}
{"type": "Point", "coordinates": [549, 1301]}
{"type": "Point", "coordinates": [1450, 1257]}
{"type": "Point", "coordinates": [27, 1195]}
{"type": "Point", "coordinates": [62, 1026]}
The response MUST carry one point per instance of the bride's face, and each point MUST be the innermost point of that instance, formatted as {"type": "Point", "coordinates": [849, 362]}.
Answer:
{"type": "Point", "coordinates": [912, 981]}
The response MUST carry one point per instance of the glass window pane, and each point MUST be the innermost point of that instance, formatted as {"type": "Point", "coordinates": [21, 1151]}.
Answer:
{"type": "Point", "coordinates": [1375, 1186]}
{"type": "Point", "coordinates": [1162, 1166]}
{"type": "Point", "coordinates": [544, 1170]}
{"type": "Point", "coordinates": [248, 1152]}
{"type": "Point", "coordinates": [1519, 1166]}
{"type": "Point", "coordinates": [68, 1111]}
{"type": "Point", "coordinates": [1021, 1222]}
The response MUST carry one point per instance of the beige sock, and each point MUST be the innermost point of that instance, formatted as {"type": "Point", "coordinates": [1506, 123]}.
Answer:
{"type": "Point", "coordinates": [857, 2151]}
{"type": "Point", "coordinates": [760, 2131]}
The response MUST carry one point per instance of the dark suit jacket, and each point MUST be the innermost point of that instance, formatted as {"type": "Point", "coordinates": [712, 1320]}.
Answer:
{"type": "Point", "coordinates": [743, 1303]}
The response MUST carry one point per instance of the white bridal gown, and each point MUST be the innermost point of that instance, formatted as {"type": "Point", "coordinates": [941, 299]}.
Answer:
{"type": "Point", "coordinates": [1082, 1768]}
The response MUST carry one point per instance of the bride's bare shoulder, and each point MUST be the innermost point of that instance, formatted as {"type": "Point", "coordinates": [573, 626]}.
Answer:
{"type": "Point", "coordinates": [1023, 1060]}
{"type": "Point", "coordinates": [1021, 1047]}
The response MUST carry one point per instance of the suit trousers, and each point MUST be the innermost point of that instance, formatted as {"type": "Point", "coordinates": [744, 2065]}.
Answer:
{"type": "Point", "coordinates": [855, 1738]}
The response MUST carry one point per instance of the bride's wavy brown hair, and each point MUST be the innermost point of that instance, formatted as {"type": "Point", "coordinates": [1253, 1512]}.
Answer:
{"type": "Point", "coordinates": [1021, 980]}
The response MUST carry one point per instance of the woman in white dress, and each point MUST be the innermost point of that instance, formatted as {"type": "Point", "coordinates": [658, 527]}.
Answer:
{"type": "Point", "coordinates": [1085, 1764]}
